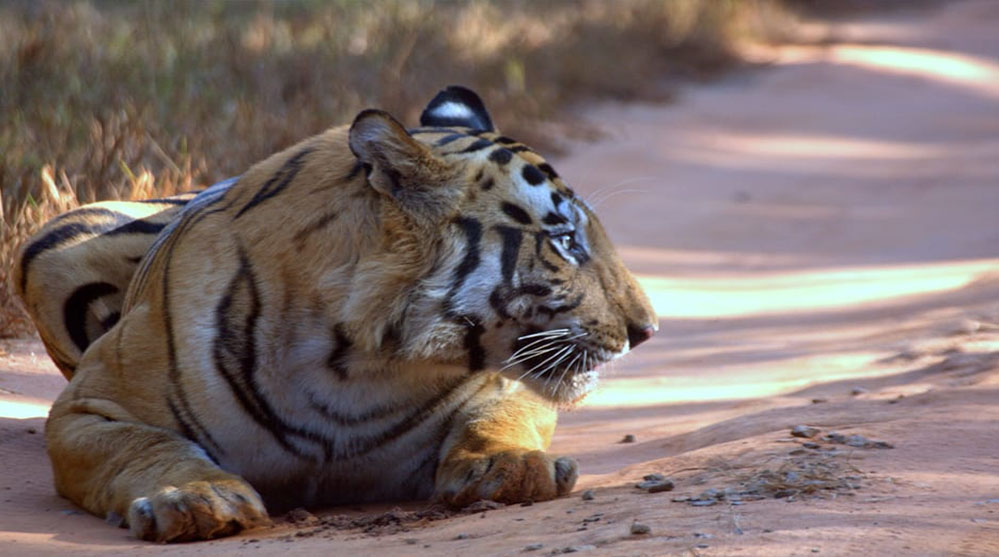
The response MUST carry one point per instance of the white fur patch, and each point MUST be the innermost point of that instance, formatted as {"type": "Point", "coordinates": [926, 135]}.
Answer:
{"type": "Point", "coordinates": [454, 110]}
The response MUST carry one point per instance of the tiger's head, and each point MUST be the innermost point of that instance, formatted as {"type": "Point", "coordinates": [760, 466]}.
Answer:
{"type": "Point", "coordinates": [517, 272]}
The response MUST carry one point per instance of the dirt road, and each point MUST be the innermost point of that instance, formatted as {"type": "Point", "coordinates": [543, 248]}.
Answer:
{"type": "Point", "coordinates": [821, 240]}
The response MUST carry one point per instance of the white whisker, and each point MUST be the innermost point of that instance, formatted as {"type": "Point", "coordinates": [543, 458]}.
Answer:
{"type": "Point", "coordinates": [533, 354]}
{"type": "Point", "coordinates": [550, 332]}
{"type": "Point", "coordinates": [560, 355]}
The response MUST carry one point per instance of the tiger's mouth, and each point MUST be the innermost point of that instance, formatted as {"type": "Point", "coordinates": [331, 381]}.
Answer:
{"type": "Point", "coordinates": [559, 363]}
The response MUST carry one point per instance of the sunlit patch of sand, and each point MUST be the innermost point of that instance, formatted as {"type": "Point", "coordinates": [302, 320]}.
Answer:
{"type": "Point", "coordinates": [796, 292]}
{"type": "Point", "coordinates": [21, 409]}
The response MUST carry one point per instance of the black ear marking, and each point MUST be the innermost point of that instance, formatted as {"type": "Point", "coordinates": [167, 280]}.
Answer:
{"type": "Point", "coordinates": [457, 106]}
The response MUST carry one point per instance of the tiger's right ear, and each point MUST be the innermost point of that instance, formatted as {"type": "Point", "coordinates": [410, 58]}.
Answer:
{"type": "Point", "coordinates": [399, 166]}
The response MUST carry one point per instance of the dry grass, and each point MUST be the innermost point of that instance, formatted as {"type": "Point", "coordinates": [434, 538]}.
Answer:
{"type": "Point", "coordinates": [109, 100]}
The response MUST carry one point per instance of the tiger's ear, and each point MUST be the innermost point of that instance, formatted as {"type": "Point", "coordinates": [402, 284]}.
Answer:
{"type": "Point", "coordinates": [399, 166]}
{"type": "Point", "coordinates": [457, 106]}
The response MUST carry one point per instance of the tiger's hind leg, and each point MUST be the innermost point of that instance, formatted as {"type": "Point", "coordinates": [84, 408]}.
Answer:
{"type": "Point", "coordinates": [167, 486]}
{"type": "Point", "coordinates": [498, 454]}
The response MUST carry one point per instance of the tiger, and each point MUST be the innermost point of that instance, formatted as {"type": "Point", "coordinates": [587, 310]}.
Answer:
{"type": "Point", "coordinates": [374, 314]}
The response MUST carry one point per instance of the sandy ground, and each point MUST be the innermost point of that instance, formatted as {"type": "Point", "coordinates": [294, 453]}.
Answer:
{"type": "Point", "coordinates": [821, 240]}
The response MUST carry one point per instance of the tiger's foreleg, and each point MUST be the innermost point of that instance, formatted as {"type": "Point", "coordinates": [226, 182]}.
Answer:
{"type": "Point", "coordinates": [166, 486]}
{"type": "Point", "coordinates": [498, 453]}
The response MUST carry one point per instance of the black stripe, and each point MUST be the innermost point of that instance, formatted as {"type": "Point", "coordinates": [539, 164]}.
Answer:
{"type": "Point", "coordinates": [120, 224]}
{"type": "Point", "coordinates": [473, 236]}
{"type": "Point", "coordinates": [450, 138]}
{"type": "Point", "coordinates": [501, 296]}
{"type": "Point", "coordinates": [540, 239]}
{"type": "Point", "coordinates": [557, 198]}
{"type": "Point", "coordinates": [278, 182]}
{"type": "Point", "coordinates": [174, 371]}
{"type": "Point", "coordinates": [187, 430]}
{"type": "Point", "coordinates": [54, 238]}
{"type": "Point", "coordinates": [234, 349]}
{"type": "Point", "coordinates": [357, 447]}
{"type": "Point", "coordinates": [516, 212]}
{"type": "Point", "coordinates": [533, 289]}
{"type": "Point", "coordinates": [315, 226]}
{"type": "Point", "coordinates": [473, 344]}
{"type": "Point", "coordinates": [74, 310]}
{"type": "Point", "coordinates": [169, 243]}
{"type": "Point", "coordinates": [498, 301]}
{"type": "Point", "coordinates": [505, 140]}
{"type": "Point", "coordinates": [341, 348]}
{"type": "Point", "coordinates": [478, 145]}
{"type": "Point", "coordinates": [512, 238]}
{"type": "Point", "coordinates": [548, 170]}
{"type": "Point", "coordinates": [553, 219]}
{"type": "Point", "coordinates": [235, 353]}
{"type": "Point", "coordinates": [138, 226]}
{"type": "Point", "coordinates": [342, 420]}
{"type": "Point", "coordinates": [532, 175]}
{"type": "Point", "coordinates": [501, 156]}
{"type": "Point", "coordinates": [488, 183]}
{"type": "Point", "coordinates": [188, 217]}
{"type": "Point", "coordinates": [563, 308]}
{"type": "Point", "coordinates": [90, 212]}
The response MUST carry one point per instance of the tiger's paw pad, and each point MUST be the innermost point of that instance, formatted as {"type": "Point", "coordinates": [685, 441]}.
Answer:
{"type": "Point", "coordinates": [507, 477]}
{"type": "Point", "coordinates": [198, 510]}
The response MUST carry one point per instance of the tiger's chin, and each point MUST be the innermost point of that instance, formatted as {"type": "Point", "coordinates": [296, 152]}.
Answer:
{"type": "Point", "coordinates": [564, 390]}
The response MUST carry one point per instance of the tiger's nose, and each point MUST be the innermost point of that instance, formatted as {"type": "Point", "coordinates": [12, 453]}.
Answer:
{"type": "Point", "coordinates": [637, 334]}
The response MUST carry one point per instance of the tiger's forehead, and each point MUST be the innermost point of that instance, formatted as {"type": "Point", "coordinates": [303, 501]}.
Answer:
{"type": "Point", "coordinates": [523, 164]}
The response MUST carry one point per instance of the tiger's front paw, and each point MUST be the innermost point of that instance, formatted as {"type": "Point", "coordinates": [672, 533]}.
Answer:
{"type": "Point", "coordinates": [507, 477]}
{"type": "Point", "coordinates": [197, 510]}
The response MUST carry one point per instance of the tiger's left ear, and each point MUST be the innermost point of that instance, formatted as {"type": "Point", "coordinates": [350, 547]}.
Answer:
{"type": "Point", "coordinates": [457, 106]}
{"type": "Point", "coordinates": [400, 167]}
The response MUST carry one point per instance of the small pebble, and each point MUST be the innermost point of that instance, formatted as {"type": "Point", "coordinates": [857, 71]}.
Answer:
{"type": "Point", "coordinates": [638, 529]}
{"type": "Point", "coordinates": [301, 517]}
{"type": "Point", "coordinates": [32, 431]}
{"type": "Point", "coordinates": [461, 537]}
{"type": "Point", "coordinates": [804, 431]}
{"type": "Point", "coordinates": [810, 445]}
{"type": "Point", "coordinates": [533, 546]}
{"type": "Point", "coordinates": [629, 438]}
{"type": "Point", "coordinates": [834, 437]}
{"type": "Point", "coordinates": [656, 486]}
{"type": "Point", "coordinates": [575, 548]}
{"type": "Point", "coordinates": [588, 495]}
{"type": "Point", "coordinates": [819, 400]}
{"type": "Point", "coordinates": [653, 477]}
{"type": "Point", "coordinates": [702, 546]}
{"type": "Point", "coordinates": [702, 502]}
{"type": "Point", "coordinates": [857, 391]}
